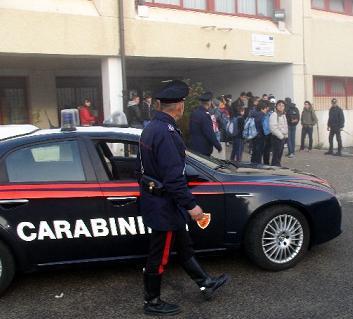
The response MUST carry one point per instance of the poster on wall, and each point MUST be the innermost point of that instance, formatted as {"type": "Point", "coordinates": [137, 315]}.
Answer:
{"type": "Point", "coordinates": [263, 44]}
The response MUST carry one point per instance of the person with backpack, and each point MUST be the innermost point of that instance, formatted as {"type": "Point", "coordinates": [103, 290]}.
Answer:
{"type": "Point", "coordinates": [258, 143]}
{"type": "Point", "coordinates": [237, 123]}
{"type": "Point", "coordinates": [309, 120]}
{"type": "Point", "coordinates": [279, 130]}
{"type": "Point", "coordinates": [268, 135]}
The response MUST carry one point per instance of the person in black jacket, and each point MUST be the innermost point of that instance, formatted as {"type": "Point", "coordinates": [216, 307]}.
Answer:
{"type": "Point", "coordinates": [169, 209]}
{"type": "Point", "coordinates": [203, 137]}
{"type": "Point", "coordinates": [293, 117]}
{"type": "Point", "coordinates": [147, 110]}
{"type": "Point", "coordinates": [335, 125]}
{"type": "Point", "coordinates": [258, 143]}
{"type": "Point", "coordinates": [238, 140]}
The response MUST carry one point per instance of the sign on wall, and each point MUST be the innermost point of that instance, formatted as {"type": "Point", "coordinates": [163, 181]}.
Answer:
{"type": "Point", "coordinates": [263, 44]}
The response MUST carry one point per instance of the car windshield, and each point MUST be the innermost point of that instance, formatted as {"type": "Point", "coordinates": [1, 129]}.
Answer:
{"type": "Point", "coordinates": [212, 162]}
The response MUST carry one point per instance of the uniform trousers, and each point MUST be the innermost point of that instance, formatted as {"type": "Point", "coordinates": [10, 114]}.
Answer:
{"type": "Point", "coordinates": [161, 243]}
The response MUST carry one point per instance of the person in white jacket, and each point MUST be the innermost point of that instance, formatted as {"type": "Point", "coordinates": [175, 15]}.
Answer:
{"type": "Point", "coordinates": [279, 130]}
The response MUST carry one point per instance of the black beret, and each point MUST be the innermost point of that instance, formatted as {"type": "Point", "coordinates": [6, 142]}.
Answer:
{"type": "Point", "coordinates": [174, 91]}
{"type": "Point", "coordinates": [207, 96]}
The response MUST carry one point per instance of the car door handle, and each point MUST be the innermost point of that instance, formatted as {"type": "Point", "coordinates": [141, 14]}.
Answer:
{"type": "Point", "coordinates": [243, 195]}
{"type": "Point", "coordinates": [12, 203]}
{"type": "Point", "coordinates": [122, 201]}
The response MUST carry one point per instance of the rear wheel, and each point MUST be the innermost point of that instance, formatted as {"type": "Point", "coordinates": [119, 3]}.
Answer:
{"type": "Point", "coordinates": [277, 238]}
{"type": "Point", "coordinates": [7, 267]}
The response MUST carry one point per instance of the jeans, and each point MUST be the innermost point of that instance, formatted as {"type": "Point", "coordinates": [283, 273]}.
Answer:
{"type": "Point", "coordinates": [307, 130]}
{"type": "Point", "coordinates": [218, 136]}
{"type": "Point", "coordinates": [258, 145]}
{"type": "Point", "coordinates": [337, 132]}
{"type": "Point", "coordinates": [291, 139]}
{"type": "Point", "coordinates": [277, 150]}
{"type": "Point", "coordinates": [237, 150]}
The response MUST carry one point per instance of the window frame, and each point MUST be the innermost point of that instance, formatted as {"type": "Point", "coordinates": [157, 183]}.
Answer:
{"type": "Point", "coordinates": [210, 8]}
{"type": "Point", "coordinates": [87, 166]}
{"type": "Point", "coordinates": [347, 7]}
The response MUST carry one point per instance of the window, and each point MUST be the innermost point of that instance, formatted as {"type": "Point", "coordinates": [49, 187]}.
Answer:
{"type": "Point", "coordinates": [338, 6]}
{"type": "Point", "coordinates": [118, 159]}
{"type": "Point", "coordinates": [13, 104]}
{"type": "Point", "coordinates": [258, 8]}
{"type": "Point", "coordinates": [195, 4]}
{"type": "Point", "coordinates": [52, 162]}
{"type": "Point", "coordinates": [318, 4]}
{"type": "Point", "coordinates": [226, 6]}
{"type": "Point", "coordinates": [326, 88]}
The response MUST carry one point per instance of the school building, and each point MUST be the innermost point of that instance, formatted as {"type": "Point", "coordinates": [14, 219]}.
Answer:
{"type": "Point", "coordinates": [54, 53]}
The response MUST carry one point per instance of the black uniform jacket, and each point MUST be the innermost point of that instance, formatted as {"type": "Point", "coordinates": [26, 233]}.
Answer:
{"type": "Point", "coordinates": [203, 137]}
{"type": "Point", "coordinates": [163, 158]}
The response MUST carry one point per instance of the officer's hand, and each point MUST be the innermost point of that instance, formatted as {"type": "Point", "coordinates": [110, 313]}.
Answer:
{"type": "Point", "coordinates": [219, 149]}
{"type": "Point", "coordinates": [196, 213]}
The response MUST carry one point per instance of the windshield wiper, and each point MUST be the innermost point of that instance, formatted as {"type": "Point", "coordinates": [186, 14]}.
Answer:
{"type": "Point", "coordinates": [225, 164]}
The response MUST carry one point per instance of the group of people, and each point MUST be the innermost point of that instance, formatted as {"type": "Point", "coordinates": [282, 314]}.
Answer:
{"type": "Point", "coordinates": [264, 123]}
{"type": "Point", "coordinates": [139, 114]}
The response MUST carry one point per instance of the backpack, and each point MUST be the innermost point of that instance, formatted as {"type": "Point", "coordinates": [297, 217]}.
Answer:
{"type": "Point", "coordinates": [266, 124]}
{"type": "Point", "coordinates": [223, 119]}
{"type": "Point", "coordinates": [250, 130]}
{"type": "Point", "coordinates": [232, 127]}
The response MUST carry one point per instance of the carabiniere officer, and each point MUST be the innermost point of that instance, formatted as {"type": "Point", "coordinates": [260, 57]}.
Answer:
{"type": "Point", "coordinates": [166, 203]}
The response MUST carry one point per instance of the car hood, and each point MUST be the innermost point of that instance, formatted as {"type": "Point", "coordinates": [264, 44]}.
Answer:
{"type": "Point", "coordinates": [279, 175]}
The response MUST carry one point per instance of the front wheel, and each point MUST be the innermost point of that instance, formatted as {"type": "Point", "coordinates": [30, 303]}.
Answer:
{"type": "Point", "coordinates": [277, 238]}
{"type": "Point", "coordinates": [7, 267]}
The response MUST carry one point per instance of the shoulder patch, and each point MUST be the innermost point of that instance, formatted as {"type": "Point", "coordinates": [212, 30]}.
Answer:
{"type": "Point", "coordinates": [171, 128]}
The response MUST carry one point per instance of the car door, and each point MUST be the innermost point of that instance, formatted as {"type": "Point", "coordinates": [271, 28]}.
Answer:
{"type": "Point", "coordinates": [210, 196]}
{"type": "Point", "coordinates": [52, 202]}
{"type": "Point", "coordinates": [115, 163]}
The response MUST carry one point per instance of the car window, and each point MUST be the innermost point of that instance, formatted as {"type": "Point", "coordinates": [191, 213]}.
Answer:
{"type": "Point", "coordinates": [56, 162]}
{"type": "Point", "coordinates": [209, 161]}
{"type": "Point", "coordinates": [118, 158]}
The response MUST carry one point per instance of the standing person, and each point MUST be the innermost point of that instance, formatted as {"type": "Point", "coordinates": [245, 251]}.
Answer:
{"type": "Point", "coordinates": [86, 117]}
{"type": "Point", "coordinates": [203, 138]}
{"type": "Point", "coordinates": [147, 110]}
{"type": "Point", "coordinates": [268, 135]}
{"type": "Point", "coordinates": [308, 120]}
{"type": "Point", "coordinates": [335, 125]}
{"type": "Point", "coordinates": [258, 143]}
{"type": "Point", "coordinates": [238, 140]}
{"type": "Point", "coordinates": [293, 116]}
{"type": "Point", "coordinates": [134, 112]}
{"type": "Point", "coordinates": [167, 209]}
{"type": "Point", "coordinates": [279, 131]}
{"type": "Point", "coordinates": [242, 100]}
{"type": "Point", "coordinates": [216, 118]}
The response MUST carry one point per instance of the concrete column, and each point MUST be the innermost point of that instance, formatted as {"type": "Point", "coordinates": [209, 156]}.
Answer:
{"type": "Point", "coordinates": [112, 85]}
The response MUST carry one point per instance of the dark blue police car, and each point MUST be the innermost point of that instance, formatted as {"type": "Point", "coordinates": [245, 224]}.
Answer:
{"type": "Point", "coordinates": [72, 197]}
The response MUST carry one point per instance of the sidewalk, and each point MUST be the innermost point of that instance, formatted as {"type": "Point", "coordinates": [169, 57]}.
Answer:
{"type": "Point", "coordinates": [337, 170]}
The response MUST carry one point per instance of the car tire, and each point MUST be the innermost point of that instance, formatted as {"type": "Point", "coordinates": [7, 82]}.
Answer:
{"type": "Point", "coordinates": [277, 238]}
{"type": "Point", "coordinates": [7, 267]}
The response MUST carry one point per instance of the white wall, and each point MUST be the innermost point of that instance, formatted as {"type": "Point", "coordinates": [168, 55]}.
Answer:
{"type": "Point", "coordinates": [275, 79]}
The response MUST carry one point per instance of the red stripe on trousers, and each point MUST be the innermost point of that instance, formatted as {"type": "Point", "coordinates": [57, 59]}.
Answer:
{"type": "Point", "coordinates": [165, 256]}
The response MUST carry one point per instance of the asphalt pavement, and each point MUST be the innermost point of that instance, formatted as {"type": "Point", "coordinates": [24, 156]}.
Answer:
{"type": "Point", "coordinates": [320, 286]}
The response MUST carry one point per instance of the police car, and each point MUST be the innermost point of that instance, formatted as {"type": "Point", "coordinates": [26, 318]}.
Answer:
{"type": "Point", "coordinates": [71, 196]}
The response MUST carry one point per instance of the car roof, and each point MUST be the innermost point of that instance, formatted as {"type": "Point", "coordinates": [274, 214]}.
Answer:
{"type": "Point", "coordinates": [25, 134]}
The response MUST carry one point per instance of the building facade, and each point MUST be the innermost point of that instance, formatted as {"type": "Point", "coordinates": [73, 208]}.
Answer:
{"type": "Point", "coordinates": [56, 53]}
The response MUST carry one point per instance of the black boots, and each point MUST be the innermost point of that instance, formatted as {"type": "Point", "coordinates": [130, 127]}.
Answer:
{"type": "Point", "coordinates": [208, 285]}
{"type": "Point", "coordinates": [153, 305]}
